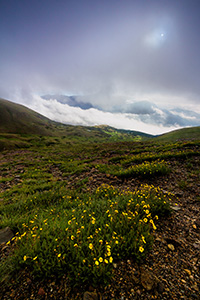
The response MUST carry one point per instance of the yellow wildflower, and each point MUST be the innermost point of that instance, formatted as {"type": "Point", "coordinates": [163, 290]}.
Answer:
{"type": "Point", "coordinates": [141, 249]}
{"type": "Point", "coordinates": [96, 263]}
{"type": "Point", "coordinates": [100, 259]}
{"type": "Point", "coordinates": [91, 246]}
{"type": "Point", "coordinates": [25, 257]}
{"type": "Point", "coordinates": [35, 258]}
{"type": "Point", "coordinates": [143, 239]}
{"type": "Point", "coordinates": [111, 259]}
{"type": "Point", "coordinates": [59, 255]}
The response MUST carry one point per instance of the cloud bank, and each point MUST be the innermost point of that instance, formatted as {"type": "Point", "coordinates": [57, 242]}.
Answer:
{"type": "Point", "coordinates": [143, 116]}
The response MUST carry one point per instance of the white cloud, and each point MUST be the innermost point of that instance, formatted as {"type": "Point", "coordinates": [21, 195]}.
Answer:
{"type": "Point", "coordinates": [76, 116]}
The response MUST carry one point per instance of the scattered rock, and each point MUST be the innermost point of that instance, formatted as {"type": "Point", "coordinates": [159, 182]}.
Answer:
{"type": "Point", "coordinates": [176, 208]}
{"type": "Point", "coordinates": [6, 235]}
{"type": "Point", "coordinates": [171, 247]}
{"type": "Point", "coordinates": [29, 281]}
{"type": "Point", "coordinates": [90, 296]}
{"type": "Point", "coordinates": [188, 271]}
{"type": "Point", "coordinates": [161, 240]}
{"type": "Point", "coordinates": [41, 292]}
{"type": "Point", "coordinates": [148, 280]}
{"type": "Point", "coordinates": [196, 245]}
{"type": "Point", "coordinates": [195, 287]}
{"type": "Point", "coordinates": [135, 279]}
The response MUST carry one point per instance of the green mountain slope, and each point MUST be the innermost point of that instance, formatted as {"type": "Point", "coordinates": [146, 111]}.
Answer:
{"type": "Point", "coordinates": [181, 134]}
{"type": "Point", "coordinates": [18, 119]}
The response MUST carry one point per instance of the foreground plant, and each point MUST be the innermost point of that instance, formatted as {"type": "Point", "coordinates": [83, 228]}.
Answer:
{"type": "Point", "coordinates": [83, 235]}
{"type": "Point", "coordinates": [145, 169]}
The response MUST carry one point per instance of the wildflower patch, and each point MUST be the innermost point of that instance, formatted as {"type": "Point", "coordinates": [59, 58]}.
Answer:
{"type": "Point", "coordinates": [87, 233]}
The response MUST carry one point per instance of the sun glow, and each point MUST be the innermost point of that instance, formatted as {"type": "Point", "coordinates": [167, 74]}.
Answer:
{"type": "Point", "coordinates": [155, 38]}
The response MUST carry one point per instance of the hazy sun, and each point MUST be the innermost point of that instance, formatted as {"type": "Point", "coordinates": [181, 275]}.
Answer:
{"type": "Point", "coordinates": [156, 38]}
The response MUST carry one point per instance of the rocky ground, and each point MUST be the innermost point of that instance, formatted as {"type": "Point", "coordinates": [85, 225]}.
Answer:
{"type": "Point", "coordinates": [170, 271]}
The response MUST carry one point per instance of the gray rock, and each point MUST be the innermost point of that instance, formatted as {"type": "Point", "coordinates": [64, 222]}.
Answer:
{"type": "Point", "coordinates": [176, 208]}
{"type": "Point", "coordinates": [6, 235]}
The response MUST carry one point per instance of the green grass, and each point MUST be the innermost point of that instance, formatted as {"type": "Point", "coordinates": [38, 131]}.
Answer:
{"type": "Point", "coordinates": [65, 225]}
{"type": "Point", "coordinates": [59, 231]}
{"type": "Point", "coordinates": [181, 134]}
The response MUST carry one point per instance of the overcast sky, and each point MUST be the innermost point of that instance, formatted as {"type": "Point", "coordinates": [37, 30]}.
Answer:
{"type": "Point", "coordinates": [137, 62]}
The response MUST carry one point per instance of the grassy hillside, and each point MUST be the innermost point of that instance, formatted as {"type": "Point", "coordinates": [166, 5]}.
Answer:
{"type": "Point", "coordinates": [181, 134]}
{"type": "Point", "coordinates": [16, 118]}
{"type": "Point", "coordinates": [22, 127]}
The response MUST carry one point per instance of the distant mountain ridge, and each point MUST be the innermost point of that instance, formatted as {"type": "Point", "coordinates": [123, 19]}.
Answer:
{"type": "Point", "coordinates": [69, 100]}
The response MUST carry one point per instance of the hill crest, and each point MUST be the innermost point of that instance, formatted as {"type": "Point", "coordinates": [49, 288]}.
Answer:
{"type": "Point", "coordinates": [18, 119]}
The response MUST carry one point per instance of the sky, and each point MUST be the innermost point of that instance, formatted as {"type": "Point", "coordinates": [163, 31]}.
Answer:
{"type": "Point", "coordinates": [136, 62]}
